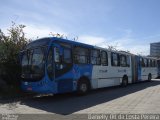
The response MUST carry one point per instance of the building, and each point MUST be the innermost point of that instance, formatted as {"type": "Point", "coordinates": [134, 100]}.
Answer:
{"type": "Point", "coordinates": [155, 49]}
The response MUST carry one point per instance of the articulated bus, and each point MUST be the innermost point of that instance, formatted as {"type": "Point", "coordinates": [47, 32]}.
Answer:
{"type": "Point", "coordinates": [55, 65]}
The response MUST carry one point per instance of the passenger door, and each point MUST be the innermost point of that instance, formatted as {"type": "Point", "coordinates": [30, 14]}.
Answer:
{"type": "Point", "coordinates": [63, 61]}
{"type": "Point", "coordinates": [63, 69]}
{"type": "Point", "coordinates": [50, 64]}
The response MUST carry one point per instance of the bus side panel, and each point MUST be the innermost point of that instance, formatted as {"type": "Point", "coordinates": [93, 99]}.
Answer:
{"type": "Point", "coordinates": [101, 77]}
{"type": "Point", "coordinates": [65, 85]}
{"type": "Point", "coordinates": [105, 76]}
{"type": "Point", "coordinates": [68, 82]}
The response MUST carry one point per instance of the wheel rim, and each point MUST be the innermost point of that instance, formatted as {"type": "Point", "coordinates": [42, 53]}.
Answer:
{"type": "Point", "coordinates": [125, 82]}
{"type": "Point", "coordinates": [83, 87]}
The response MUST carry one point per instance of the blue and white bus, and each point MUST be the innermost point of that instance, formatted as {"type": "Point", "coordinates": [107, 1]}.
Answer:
{"type": "Point", "coordinates": [56, 65]}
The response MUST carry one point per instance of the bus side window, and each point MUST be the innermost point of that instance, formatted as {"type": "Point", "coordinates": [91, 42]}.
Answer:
{"type": "Point", "coordinates": [104, 58]}
{"type": "Point", "coordinates": [95, 57]}
{"type": "Point", "coordinates": [145, 62]}
{"type": "Point", "coordinates": [128, 61]}
{"type": "Point", "coordinates": [142, 62]}
{"type": "Point", "coordinates": [123, 61]}
{"type": "Point", "coordinates": [56, 55]}
{"type": "Point", "coordinates": [67, 55]}
{"type": "Point", "coordinates": [149, 63]}
{"type": "Point", "coordinates": [81, 55]}
{"type": "Point", "coordinates": [154, 64]}
{"type": "Point", "coordinates": [50, 63]}
{"type": "Point", "coordinates": [114, 59]}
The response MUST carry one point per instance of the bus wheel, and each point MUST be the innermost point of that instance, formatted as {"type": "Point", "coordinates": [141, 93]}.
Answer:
{"type": "Point", "coordinates": [149, 77]}
{"type": "Point", "coordinates": [124, 82]}
{"type": "Point", "coordinates": [83, 87]}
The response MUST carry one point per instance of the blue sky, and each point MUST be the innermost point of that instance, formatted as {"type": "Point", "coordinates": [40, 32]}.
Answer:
{"type": "Point", "coordinates": [127, 24]}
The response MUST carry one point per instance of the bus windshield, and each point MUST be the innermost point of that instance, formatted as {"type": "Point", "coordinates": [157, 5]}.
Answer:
{"type": "Point", "coordinates": [33, 62]}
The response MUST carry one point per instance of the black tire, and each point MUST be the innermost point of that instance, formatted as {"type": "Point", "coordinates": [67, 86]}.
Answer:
{"type": "Point", "coordinates": [124, 82]}
{"type": "Point", "coordinates": [149, 77]}
{"type": "Point", "coordinates": [83, 87]}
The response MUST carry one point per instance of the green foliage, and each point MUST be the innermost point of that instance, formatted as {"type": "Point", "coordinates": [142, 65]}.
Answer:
{"type": "Point", "coordinates": [10, 46]}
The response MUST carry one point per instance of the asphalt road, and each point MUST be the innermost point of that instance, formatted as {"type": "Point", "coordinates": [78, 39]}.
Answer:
{"type": "Point", "coordinates": [140, 98]}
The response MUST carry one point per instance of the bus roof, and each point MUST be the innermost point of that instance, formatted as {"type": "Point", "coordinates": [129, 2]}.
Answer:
{"type": "Point", "coordinates": [45, 41]}
{"type": "Point", "coordinates": [71, 42]}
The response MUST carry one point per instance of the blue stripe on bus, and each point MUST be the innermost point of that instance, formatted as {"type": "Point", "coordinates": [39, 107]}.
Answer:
{"type": "Point", "coordinates": [65, 83]}
{"type": "Point", "coordinates": [72, 77]}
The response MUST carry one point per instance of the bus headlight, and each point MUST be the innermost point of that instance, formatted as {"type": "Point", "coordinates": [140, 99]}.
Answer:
{"type": "Point", "coordinates": [25, 83]}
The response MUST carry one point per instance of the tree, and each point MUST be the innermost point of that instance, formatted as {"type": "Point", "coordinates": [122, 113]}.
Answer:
{"type": "Point", "coordinates": [10, 46]}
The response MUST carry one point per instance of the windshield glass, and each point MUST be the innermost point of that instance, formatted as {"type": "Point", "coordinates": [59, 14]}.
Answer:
{"type": "Point", "coordinates": [33, 63]}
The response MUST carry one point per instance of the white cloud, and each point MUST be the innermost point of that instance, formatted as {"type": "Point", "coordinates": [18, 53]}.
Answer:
{"type": "Point", "coordinates": [125, 43]}
{"type": "Point", "coordinates": [129, 44]}
{"type": "Point", "coordinates": [33, 31]}
{"type": "Point", "coordinates": [140, 49]}
{"type": "Point", "coordinates": [120, 43]}
{"type": "Point", "coordinates": [105, 42]}
{"type": "Point", "coordinates": [92, 40]}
